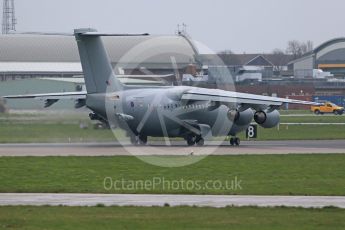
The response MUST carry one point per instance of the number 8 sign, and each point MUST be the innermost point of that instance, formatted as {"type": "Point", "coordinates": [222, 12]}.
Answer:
{"type": "Point", "coordinates": [252, 131]}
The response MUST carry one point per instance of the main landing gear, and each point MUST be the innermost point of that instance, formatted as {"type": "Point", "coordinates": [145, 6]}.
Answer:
{"type": "Point", "coordinates": [235, 141]}
{"type": "Point", "coordinates": [192, 140]}
{"type": "Point", "coordinates": [199, 141]}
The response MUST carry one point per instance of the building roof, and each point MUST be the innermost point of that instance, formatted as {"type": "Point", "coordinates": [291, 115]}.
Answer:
{"type": "Point", "coordinates": [318, 49]}
{"type": "Point", "coordinates": [40, 67]}
{"type": "Point", "coordinates": [249, 59]}
{"type": "Point", "coordinates": [52, 48]}
{"type": "Point", "coordinates": [328, 43]}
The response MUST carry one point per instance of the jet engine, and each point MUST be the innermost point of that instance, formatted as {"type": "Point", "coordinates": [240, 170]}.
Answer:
{"type": "Point", "coordinates": [241, 118]}
{"type": "Point", "coordinates": [267, 119]}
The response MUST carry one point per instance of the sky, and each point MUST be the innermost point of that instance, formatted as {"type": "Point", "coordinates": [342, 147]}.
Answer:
{"type": "Point", "coordinates": [250, 26]}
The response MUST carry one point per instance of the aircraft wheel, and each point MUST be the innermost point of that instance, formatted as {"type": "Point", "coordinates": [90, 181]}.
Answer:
{"type": "Point", "coordinates": [142, 140]}
{"type": "Point", "coordinates": [190, 141]}
{"type": "Point", "coordinates": [237, 141]}
{"type": "Point", "coordinates": [200, 142]}
{"type": "Point", "coordinates": [232, 141]}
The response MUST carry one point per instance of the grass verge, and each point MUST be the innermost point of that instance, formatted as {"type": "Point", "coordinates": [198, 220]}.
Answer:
{"type": "Point", "coordinates": [66, 128]}
{"type": "Point", "coordinates": [300, 132]}
{"type": "Point", "coordinates": [256, 175]}
{"type": "Point", "coordinates": [169, 218]}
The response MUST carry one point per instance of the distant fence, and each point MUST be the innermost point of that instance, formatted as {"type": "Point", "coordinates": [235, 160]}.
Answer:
{"type": "Point", "coordinates": [312, 124]}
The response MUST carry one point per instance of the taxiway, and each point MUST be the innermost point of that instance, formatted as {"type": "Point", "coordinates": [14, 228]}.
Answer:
{"type": "Point", "coordinates": [177, 148]}
{"type": "Point", "coordinates": [217, 201]}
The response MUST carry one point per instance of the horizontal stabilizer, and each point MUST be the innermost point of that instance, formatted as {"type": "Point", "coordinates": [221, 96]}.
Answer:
{"type": "Point", "coordinates": [81, 33]}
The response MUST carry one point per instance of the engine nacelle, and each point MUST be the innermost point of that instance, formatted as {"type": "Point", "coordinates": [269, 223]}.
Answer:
{"type": "Point", "coordinates": [267, 119]}
{"type": "Point", "coordinates": [241, 118]}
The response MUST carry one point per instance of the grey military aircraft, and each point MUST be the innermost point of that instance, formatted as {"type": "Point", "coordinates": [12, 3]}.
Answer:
{"type": "Point", "coordinates": [195, 114]}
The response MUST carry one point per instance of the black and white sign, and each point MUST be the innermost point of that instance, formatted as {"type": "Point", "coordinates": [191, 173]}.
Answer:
{"type": "Point", "coordinates": [252, 131]}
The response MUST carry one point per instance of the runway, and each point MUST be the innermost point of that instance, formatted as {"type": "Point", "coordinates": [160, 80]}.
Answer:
{"type": "Point", "coordinates": [216, 201]}
{"type": "Point", "coordinates": [178, 148]}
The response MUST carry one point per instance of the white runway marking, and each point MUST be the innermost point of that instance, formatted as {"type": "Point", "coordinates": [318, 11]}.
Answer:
{"type": "Point", "coordinates": [217, 201]}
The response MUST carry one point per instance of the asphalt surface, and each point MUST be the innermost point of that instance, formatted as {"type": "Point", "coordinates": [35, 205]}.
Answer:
{"type": "Point", "coordinates": [178, 148]}
{"type": "Point", "coordinates": [217, 201]}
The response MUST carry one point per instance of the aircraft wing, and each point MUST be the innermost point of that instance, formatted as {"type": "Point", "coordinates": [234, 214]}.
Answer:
{"type": "Point", "coordinates": [52, 98]}
{"type": "Point", "coordinates": [125, 79]}
{"type": "Point", "coordinates": [244, 99]}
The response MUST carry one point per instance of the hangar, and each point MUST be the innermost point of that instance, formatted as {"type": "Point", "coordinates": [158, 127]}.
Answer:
{"type": "Point", "coordinates": [33, 63]}
{"type": "Point", "coordinates": [30, 56]}
{"type": "Point", "coordinates": [329, 56]}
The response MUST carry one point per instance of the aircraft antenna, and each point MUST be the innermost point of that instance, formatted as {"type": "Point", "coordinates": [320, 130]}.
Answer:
{"type": "Point", "coordinates": [9, 20]}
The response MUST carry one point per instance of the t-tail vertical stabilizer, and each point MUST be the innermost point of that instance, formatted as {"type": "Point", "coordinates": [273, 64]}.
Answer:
{"type": "Point", "coordinates": [98, 72]}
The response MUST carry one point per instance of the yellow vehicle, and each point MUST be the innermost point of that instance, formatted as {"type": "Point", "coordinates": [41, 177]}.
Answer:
{"type": "Point", "coordinates": [328, 107]}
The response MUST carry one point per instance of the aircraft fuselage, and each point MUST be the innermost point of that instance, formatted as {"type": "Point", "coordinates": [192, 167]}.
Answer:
{"type": "Point", "coordinates": [159, 111]}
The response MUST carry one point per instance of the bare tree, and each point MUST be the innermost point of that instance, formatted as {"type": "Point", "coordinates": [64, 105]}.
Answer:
{"type": "Point", "coordinates": [294, 48]}
{"type": "Point", "coordinates": [227, 56]}
{"type": "Point", "coordinates": [310, 46]}
{"type": "Point", "coordinates": [278, 52]}
{"type": "Point", "coordinates": [298, 49]}
{"type": "Point", "coordinates": [226, 52]}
